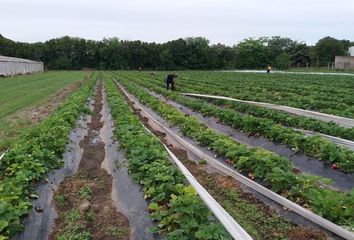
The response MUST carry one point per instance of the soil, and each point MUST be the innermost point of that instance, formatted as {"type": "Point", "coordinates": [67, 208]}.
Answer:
{"type": "Point", "coordinates": [105, 221]}
{"type": "Point", "coordinates": [227, 183]}
{"type": "Point", "coordinates": [340, 181]}
{"type": "Point", "coordinates": [210, 180]}
{"type": "Point", "coordinates": [37, 113]}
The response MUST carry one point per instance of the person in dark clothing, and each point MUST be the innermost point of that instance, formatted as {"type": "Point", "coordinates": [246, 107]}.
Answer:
{"type": "Point", "coordinates": [170, 80]}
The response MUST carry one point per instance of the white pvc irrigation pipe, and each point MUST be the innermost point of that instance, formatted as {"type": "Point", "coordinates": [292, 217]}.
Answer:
{"type": "Point", "coordinates": [318, 220]}
{"type": "Point", "coordinates": [339, 141]}
{"type": "Point", "coordinates": [3, 154]}
{"type": "Point", "coordinates": [233, 228]}
{"type": "Point", "coordinates": [342, 121]}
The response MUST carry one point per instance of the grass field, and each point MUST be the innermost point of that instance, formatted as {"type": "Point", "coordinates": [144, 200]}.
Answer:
{"type": "Point", "coordinates": [21, 92]}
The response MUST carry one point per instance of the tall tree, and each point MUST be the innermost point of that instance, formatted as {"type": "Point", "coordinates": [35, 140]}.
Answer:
{"type": "Point", "coordinates": [327, 48]}
{"type": "Point", "coordinates": [253, 53]}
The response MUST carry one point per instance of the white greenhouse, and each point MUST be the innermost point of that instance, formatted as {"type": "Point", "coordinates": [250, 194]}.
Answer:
{"type": "Point", "coordinates": [14, 66]}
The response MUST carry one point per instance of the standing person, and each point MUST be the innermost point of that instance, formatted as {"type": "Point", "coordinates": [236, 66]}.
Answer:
{"type": "Point", "coordinates": [171, 80]}
{"type": "Point", "coordinates": [269, 68]}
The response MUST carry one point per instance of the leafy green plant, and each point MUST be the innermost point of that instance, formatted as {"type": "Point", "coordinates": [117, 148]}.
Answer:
{"type": "Point", "coordinates": [174, 205]}
{"type": "Point", "coordinates": [35, 153]}
{"type": "Point", "coordinates": [261, 125]}
{"type": "Point", "coordinates": [85, 192]}
{"type": "Point", "coordinates": [274, 170]}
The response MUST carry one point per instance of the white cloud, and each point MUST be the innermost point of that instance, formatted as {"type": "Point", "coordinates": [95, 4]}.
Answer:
{"type": "Point", "coordinates": [225, 21]}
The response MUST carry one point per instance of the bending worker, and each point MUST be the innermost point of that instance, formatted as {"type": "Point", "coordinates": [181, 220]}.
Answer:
{"type": "Point", "coordinates": [170, 80]}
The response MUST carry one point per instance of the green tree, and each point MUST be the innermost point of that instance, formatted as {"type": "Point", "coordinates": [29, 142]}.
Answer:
{"type": "Point", "coordinates": [278, 45]}
{"type": "Point", "coordinates": [253, 53]}
{"type": "Point", "coordinates": [283, 60]}
{"type": "Point", "coordinates": [327, 48]}
{"type": "Point", "coordinates": [198, 52]}
{"type": "Point", "coordinates": [225, 56]}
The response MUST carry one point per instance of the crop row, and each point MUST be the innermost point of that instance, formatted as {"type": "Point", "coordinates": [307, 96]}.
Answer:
{"type": "Point", "coordinates": [273, 170]}
{"type": "Point", "coordinates": [173, 204]}
{"type": "Point", "coordinates": [279, 117]}
{"type": "Point", "coordinates": [35, 153]}
{"type": "Point", "coordinates": [294, 95]}
{"type": "Point", "coordinates": [283, 118]}
{"type": "Point", "coordinates": [313, 146]}
{"type": "Point", "coordinates": [331, 94]}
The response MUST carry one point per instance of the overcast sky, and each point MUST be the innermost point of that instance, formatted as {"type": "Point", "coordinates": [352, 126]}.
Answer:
{"type": "Point", "coordinates": [224, 21]}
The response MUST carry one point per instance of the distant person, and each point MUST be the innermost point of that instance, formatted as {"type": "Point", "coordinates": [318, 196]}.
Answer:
{"type": "Point", "coordinates": [269, 68]}
{"type": "Point", "coordinates": [139, 69]}
{"type": "Point", "coordinates": [170, 79]}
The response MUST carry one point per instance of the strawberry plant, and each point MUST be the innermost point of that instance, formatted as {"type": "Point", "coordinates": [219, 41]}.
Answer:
{"type": "Point", "coordinates": [36, 152]}
{"type": "Point", "coordinates": [174, 205]}
{"type": "Point", "coordinates": [273, 170]}
{"type": "Point", "coordinates": [312, 146]}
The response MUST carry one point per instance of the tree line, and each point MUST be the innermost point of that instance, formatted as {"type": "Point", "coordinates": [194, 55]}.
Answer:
{"type": "Point", "coordinates": [188, 53]}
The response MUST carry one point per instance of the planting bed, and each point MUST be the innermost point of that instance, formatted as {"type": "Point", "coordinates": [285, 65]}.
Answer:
{"type": "Point", "coordinates": [341, 181]}
{"type": "Point", "coordinates": [103, 164]}
{"type": "Point", "coordinates": [313, 146]}
{"type": "Point", "coordinates": [34, 154]}
{"type": "Point", "coordinates": [219, 142]}
{"type": "Point", "coordinates": [238, 202]}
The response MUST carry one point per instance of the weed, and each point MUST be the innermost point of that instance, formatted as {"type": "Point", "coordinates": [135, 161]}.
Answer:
{"type": "Point", "coordinates": [90, 215]}
{"type": "Point", "coordinates": [61, 200]}
{"type": "Point", "coordinates": [117, 232]}
{"type": "Point", "coordinates": [85, 192]}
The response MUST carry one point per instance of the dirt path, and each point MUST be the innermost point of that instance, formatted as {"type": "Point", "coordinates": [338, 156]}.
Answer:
{"type": "Point", "coordinates": [84, 201]}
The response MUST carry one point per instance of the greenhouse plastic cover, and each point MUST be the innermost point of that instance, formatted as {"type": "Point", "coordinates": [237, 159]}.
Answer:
{"type": "Point", "coordinates": [13, 66]}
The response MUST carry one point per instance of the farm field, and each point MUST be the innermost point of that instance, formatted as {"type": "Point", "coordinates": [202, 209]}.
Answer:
{"type": "Point", "coordinates": [22, 91]}
{"type": "Point", "coordinates": [273, 125]}
{"type": "Point", "coordinates": [105, 159]}
{"type": "Point", "coordinates": [27, 99]}
{"type": "Point", "coordinates": [328, 94]}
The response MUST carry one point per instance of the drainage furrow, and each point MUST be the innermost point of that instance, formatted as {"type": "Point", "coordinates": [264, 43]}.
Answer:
{"type": "Point", "coordinates": [84, 200]}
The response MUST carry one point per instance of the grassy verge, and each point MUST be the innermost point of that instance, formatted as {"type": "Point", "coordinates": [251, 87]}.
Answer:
{"type": "Point", "coordinates": [25, 100]}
